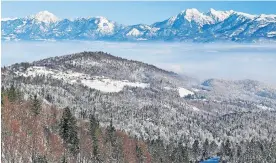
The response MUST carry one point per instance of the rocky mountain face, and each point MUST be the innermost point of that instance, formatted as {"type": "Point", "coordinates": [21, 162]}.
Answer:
{"type": "Point", "coordinates": [188, 25]}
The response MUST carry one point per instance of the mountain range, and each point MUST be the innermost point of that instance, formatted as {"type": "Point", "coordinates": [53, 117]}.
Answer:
{"type": "Point", "coordinates": [189, 25]}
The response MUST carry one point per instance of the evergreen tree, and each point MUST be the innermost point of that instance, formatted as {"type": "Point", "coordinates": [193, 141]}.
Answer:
{"type": "Point", "coordinates": [139, 153]}
{"type": "Point", "coordinates": [36, 105]}
{"type": "Point", "coordinates": [94, 127]}
{"type": "Point", "coordinates": [68, 131]}
{"type": "Point", "coordinates": [205, 149]}
{"type": "Point", "coordinates": [213, 147]}
{"type": "Point", "coordinates": [227, 148]}
{"type": "Point", "coordinates": [195, 149]}
{"type": "Point", "coordinates": [181, 154]}
{"type": "Point", "coordinates": [12, 93]}
{"type": "Point", "coordinates": [2, 94]}
{"type": "Point", "coordinates": [239, 151]}
{"type": "Point", "coordinates": [111, 131]}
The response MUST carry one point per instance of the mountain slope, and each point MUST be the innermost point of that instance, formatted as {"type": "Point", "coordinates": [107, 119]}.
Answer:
{"type": "Point", "coordinates": [29, 137]}
{"type": "Point", "coordinates": [188, 25]}
{"type": "Point", "coordinates": [144, 100]}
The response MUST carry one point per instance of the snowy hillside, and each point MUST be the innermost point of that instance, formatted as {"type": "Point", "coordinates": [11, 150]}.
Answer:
{"type": "Point", "coordinates": [146, 101]}
{"type": "Point", "coordinates": [188, 25]}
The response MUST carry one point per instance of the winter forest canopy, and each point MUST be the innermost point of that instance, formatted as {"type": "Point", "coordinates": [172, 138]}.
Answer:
{"type": "Point", "coordinates": [147, 115]}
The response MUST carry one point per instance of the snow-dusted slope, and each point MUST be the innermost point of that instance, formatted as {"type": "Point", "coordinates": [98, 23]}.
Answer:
{"type": "Point", "coordinates": [219, 16]}
{"type": "Point", "coordinates": [96, 82]}
{"type": "Point", "coordinates": [184, 92]}
{"type": "Point", "coordinates": [188, 25]}
{"type": "Point", "coordinates": [147, 101]}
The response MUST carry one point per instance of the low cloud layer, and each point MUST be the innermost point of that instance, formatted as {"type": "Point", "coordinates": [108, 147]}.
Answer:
{"type": "Point", "coordinates": [227, 61]}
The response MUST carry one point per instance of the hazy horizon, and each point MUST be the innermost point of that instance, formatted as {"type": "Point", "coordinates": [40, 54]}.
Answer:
{"type": "Point", "coordinates": [229, 61]}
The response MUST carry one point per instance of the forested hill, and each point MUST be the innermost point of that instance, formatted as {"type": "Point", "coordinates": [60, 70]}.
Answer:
{"type": "Point", "coordinates": [150, 103]}
{"type": "Point", "coordinates": [36, 131]}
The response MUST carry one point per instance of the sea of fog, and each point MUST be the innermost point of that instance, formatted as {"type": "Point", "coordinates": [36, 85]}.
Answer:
{"type": "Point", "coordinates": [203, 61]}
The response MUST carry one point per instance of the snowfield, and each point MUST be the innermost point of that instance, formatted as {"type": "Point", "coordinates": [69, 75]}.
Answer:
{"type": "Point", "coordinates": [99, 83]}
{"type": "Point", "coordinates": [109, 85]}
{"type": "Point", "coordinates": [184, 92]}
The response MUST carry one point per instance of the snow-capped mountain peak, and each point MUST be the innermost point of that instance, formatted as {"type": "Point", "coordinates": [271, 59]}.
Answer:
{"type": "Point", "coordinates": [134, 32]}
{"type": "Point", "coordinates": [104, 25]}
{"type": "Point", "coordinates": [268, 18]}
{"type": "Point", "coordinates": [193, 15]}
{"type": "Point", "coordinates": [219, 16]}
{"type": "Point", "coordinates": [244, 15]}
{"type": "Point", "coordinates": [46, 17]}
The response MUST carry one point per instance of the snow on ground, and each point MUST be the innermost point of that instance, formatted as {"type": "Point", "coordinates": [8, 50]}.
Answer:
{"type": "Point", "coordinates": [264, 107]}
{"type": "Point", "coordinates": [195, 108]}
{"type": "Point", "coordinates": [109, 85]}
{"type": "Point", "coordinates": [100, 83]}
{"type": "Point", "coordinates": [195, 90]}
{"type": "Point", "coordinates": [184, 92]}
{"type": "Point", "coordinates": [39, 71]}
{"type": "Point", "coordinates": [167, 88]}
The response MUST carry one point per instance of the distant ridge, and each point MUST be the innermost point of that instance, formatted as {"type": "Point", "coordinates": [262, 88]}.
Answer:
{"type": "Point", "coordinates": [189, 25]}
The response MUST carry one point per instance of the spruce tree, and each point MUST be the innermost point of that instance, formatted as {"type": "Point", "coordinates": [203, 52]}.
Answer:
{"type": "Point", "coordinates": [94, 127]}
{"type": "Point", "coordinates": [195, 149]}
{"type": "Point", "coordinates": [36, 105]}
{"type": "Point", "coordinates": [227, 148]}
{"type": "Point", "coordinates": [111, 131]}
{"type": "Point", "coordinates": [12, 94]}
{"type": "Point", "coordinates": [205, 149]}
{"type": "Point", "coordinates": [68, 131]}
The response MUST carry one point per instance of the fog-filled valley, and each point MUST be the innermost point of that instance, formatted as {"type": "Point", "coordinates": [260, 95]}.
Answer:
{"type": "Point", "coordinates": [231, 61]}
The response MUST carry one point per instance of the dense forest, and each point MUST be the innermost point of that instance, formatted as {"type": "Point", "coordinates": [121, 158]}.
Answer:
{"type": "Point", "coordinates": [34, 130]}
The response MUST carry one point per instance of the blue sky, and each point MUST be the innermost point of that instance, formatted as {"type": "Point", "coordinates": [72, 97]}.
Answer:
{"type": "Point", "coordinates": [129, 12]}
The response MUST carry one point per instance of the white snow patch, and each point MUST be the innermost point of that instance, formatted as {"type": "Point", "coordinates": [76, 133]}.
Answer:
{"type": "Point", "coordinates": [271, 34]}
{"type": "Point", "coordinates": [7, 19]}
{"type": "Point", "coordinates": [196, 16]}
{"type": "Point", "coordinates": [134, 32]}
{"type": "Point", "coordinates": [184, 92]}
{"type": "Point", "coordinates": [219, 15]}
{"type": "Point", "coordinates": [104, 25]}
{"type": "Point", "coordinates": [46, 17]}
{"type": "Point", "coordinates": [195, 108]}
{"type": "Point", "coordinates": [264, 107]}
{"type": "Point", "coordinates": [167, 88]}
{"type": "Point", "coordinates": [245, 15]}
{"type": "Point", "coordinates": [195, 90]}
{"type": "Point", "coordinates": [109, 85]}
{"type": "Point", "coordinates": [100, 83]}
